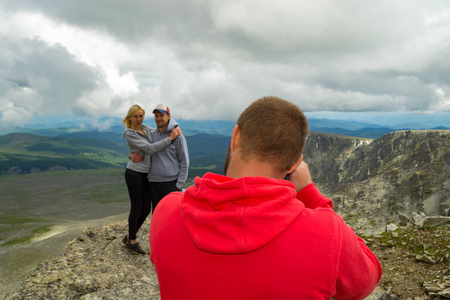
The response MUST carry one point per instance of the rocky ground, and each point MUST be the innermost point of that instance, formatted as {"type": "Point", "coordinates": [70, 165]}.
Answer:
{"type": "Point", "coordinates": [415, 261]}
{"type": "Point", "coordinates": [96, 265]}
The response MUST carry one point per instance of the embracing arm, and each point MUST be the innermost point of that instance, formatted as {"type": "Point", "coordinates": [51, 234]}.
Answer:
{"type": "Point", "coordinates": [134, 140]}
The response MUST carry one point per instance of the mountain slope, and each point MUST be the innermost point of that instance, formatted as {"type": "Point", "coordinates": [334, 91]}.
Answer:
{"type": "Point", "coordinates": [22, 153]}
{"type": "Point", "coordinates": [374, 182]}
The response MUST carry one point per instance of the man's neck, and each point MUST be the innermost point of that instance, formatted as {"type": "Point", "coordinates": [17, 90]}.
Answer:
{"type": "Point", "coordinates": [162, 129]}
{"type": "Point", "coordinates": [239, 168]}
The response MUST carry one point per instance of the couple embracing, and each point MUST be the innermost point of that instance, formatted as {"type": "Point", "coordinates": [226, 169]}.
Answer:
{"type": "Point", "coordinates": [158, 165]}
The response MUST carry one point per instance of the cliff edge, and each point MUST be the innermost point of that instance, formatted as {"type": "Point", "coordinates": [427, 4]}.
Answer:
{"type": "Point", "coordinates": [388, 180]}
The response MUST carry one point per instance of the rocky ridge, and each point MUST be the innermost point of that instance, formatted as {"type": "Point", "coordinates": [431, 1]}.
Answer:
{"type": "Point", "coordinates": [382, 181]}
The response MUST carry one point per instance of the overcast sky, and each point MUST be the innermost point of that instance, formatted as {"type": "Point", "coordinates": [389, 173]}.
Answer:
{"type": "Point", "coordinates": [209, 59]}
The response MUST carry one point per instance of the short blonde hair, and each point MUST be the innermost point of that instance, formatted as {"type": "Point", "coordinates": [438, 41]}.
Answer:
{"type": "Point", "coordinates": [127, 120]}
{"type": "Point", "coordinates": [273, 130]}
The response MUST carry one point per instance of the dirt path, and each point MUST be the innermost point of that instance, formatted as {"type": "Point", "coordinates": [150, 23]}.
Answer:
{"type": "Point", "coordinates": [17, 262]}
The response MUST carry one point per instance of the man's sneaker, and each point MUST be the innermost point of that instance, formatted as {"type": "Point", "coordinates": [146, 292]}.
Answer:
{"type": "Point", "coordinates": [125, 240]}
{"type": "Point", "coordinates": [135, 248]}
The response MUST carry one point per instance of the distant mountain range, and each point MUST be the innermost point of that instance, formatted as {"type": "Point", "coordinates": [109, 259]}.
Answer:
{"type": "Point", "coordinates": [191, 127]}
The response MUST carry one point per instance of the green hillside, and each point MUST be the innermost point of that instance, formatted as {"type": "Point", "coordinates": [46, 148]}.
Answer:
{"type": "Point", "coordinates": [207, 144]}
{"type": "Point", "coordinates": [209, 163]}
{"type": "Point", "coordinates": [22, 153]}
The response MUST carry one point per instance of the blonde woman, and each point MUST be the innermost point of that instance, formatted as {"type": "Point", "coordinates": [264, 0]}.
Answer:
{"type": "Point", "coordinates": [139, 140]}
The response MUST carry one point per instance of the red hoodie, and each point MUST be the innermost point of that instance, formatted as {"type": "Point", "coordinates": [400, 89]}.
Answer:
{"type": "Point", "coordinates": [255, 238]}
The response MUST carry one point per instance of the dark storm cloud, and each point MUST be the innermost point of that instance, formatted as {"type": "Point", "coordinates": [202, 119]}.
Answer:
{"type": "Point", "coordinates": [42, 79]}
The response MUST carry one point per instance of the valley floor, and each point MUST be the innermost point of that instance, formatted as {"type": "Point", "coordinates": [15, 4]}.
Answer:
{"type": "Point", "coordinates": [19, 261]}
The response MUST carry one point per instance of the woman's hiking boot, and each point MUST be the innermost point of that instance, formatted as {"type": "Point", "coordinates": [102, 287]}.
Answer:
{"type": "Point", "coordinates": [135, 248]}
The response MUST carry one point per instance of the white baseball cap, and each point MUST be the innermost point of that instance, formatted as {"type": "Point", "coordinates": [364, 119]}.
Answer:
{"type": "Point", "coordinates": [162, 108]}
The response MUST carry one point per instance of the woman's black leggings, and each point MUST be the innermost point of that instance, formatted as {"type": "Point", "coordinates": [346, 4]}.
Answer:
{"type": "Point", "coordinates": [139, 192]}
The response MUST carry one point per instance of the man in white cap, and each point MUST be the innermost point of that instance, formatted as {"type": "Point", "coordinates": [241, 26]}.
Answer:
{"type": "Point", "coordinates": [169, 167]}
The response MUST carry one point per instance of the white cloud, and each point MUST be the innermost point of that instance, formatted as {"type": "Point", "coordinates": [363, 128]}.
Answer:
{"type": "Point", "coordinates": [210, 59]}
{"type": "Point", "coordinates": [88, 46]}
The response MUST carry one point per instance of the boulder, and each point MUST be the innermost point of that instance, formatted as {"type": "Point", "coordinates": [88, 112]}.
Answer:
{"type": "Point", "coordinates": [433, 221]}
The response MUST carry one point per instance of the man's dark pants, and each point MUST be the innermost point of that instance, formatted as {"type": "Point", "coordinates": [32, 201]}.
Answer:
{"type": "Point", "coordinates": [159, 190]}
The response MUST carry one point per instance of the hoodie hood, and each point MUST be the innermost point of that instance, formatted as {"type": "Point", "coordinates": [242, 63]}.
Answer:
{"type": "Point", "coordinates": [234, 216]}
{"type": "Point", "coordinates": [172, 124]}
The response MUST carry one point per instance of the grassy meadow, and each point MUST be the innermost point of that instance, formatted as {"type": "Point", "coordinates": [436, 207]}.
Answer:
{"type": "Point", "coordinates": [32, 203]}
{"type": "Point", "coordinates": [40, 213]}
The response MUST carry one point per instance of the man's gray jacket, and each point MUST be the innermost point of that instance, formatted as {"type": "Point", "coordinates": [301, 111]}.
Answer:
{"type": "Point", "coordinates": [172, 162]}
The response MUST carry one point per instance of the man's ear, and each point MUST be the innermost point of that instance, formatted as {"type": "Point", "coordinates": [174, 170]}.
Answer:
{"type": "Point", "coordinates": [235, 138]}
{"type": "Point", "coordinates": [295, 165]}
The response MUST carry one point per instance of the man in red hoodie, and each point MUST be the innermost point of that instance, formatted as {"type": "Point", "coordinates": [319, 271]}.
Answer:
{"type": "Point", "coordinates": [254, 235]}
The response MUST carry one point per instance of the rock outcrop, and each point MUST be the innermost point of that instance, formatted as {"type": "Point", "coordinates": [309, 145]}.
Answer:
{"type": "Point", "coordinates": [388, 180]}
{"type": "Point", "coordinates": [96, 265]}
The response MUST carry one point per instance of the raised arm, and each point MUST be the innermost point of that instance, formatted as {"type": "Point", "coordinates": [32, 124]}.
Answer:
{"type": "Point", "coordinates": [359, 270]}
{"type": "Point", "coordinates": [307, 191]}
{"type": "Point", "coordinates": [134, 140]}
